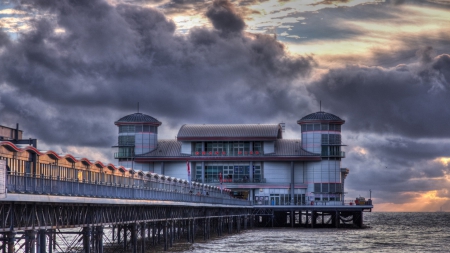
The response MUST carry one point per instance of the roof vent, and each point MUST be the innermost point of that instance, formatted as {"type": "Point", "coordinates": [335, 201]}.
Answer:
{"type": "Point", "coordinates": [283, 127]}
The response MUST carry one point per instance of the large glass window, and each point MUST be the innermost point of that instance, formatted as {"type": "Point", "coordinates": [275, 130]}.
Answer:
{"type": "Point", "coordinates": [237, 148]}
{"type": "Point", "coordinates": [126, 140]}
{"type": "Point", "coordinates": [231, 172]}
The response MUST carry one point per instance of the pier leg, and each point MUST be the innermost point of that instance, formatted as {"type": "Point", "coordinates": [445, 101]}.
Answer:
{"type": "Point", "coordinates": [51, 241]}
{"type": "Point", "coordinates": [134, 237]}
{"type": "Point", "coordinates": [336, 219]}
{"type": "Point", "coordinates": [125, 239]}
{"type": "Point", "coordinates": [118, 233]}
{"type": "Point", "coordinates": [30, 241]}
{"type": "Point", "coordinates": [193, 230]}
{"type": "Point", "coordinates": [154, 234]}
{"type": "Point", "coordinates": [165, 236]}
{"type": "Point", "coordinates": [86, 239]}
{"type": "Point", "coordinates": [99, 239]}
{"type": "Point", "coordinates": [188, 224]}
{"type": "Point", "coordinates": [42, 242]}
{"type": "Point", "coordinates": [171, 234]}
{"type": "Point", "coordinates": [11, 241]}
{"type": "Point", "coordinates": [142, 237]}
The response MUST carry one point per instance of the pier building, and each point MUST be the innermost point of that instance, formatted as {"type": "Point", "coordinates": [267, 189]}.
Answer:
{"type": "Point", "coordinates": [253, 160]}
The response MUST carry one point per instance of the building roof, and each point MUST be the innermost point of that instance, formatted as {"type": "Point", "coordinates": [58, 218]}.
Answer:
{"type": "Point", "coordinates": [319, 117]}
{"type": "Point", "coordinates": [166, 148]}
{"type": "Point", "coordinates": [137, 118]}
{"type": "Point", "coordinates": [291, 147]}
{"type": "Point", "coordinates": [230, 132]}
{"type": "Point", "coordinates": [171, 150]}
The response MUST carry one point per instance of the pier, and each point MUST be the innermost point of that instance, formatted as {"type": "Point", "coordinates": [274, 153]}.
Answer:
{"type": "Point", "coordinates": [65, 218]}
{"type": "Point", "coordinates": [210, 180]}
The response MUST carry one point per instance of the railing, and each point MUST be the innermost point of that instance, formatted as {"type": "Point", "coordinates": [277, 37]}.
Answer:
{"type": "Point", "coordinates": [341, 154]}
{"type": "Point", "coordinates": [234, 180]}
{"type": "Point", "coordinates": [30, 184]}
{"type": "Point", "coordinates": [224, 153]}
{"type": "Point", "coordinates": [123, 155]}
{"type": "Point", "coordinates": [268, 202]}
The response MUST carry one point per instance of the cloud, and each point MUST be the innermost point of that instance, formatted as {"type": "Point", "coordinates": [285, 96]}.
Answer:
{"type": "Point", "coordinates": [405, 101]}
{"type": "Point", "coordinates": [224, 17]}
{"type": "Point", "coordinates": [69, 87]}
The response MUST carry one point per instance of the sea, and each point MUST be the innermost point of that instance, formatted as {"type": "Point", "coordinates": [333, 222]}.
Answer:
{"type": "Point", "coordinates": [384, 232]}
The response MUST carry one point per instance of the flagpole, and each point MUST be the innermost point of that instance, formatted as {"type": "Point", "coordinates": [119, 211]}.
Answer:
{"type": "Point", "coordinates": [189, 174]}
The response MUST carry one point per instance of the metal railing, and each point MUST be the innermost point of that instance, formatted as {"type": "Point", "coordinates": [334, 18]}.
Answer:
{"type": "Point", "coordinates": [145, 190]}
{"type": "Point", "coordinates": [224, 153]}
{"type": "Point", "coordinates": [233, 180]}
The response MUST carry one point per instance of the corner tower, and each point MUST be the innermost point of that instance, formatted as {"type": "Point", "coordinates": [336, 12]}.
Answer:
{"type": "Point", "coordinates": [321, 134]}
{"type": "Point", "coordinates": [138, 134]}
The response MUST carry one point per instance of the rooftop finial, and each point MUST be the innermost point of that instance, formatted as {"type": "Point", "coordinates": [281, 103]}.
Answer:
{"type": "Point", "coordinates": [320, 105]}
{"type": "Point", "coordinates": [138, 107]}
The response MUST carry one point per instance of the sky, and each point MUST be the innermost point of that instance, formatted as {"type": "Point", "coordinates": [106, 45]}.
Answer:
{"type": "Point", "coordinates": [69, 69]}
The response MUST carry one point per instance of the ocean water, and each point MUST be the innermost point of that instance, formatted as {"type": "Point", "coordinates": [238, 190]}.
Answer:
{"type": "Point", "coordinates": [386, 232]}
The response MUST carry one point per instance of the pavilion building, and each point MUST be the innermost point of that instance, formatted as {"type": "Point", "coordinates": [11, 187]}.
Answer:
{"type": "Point", "coordinates": [253, 160]}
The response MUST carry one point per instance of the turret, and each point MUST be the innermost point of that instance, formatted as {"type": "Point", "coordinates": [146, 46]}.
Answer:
{"type": "Point", "coordinates": [138, 134]}
{"type": "Point", "coordinates": [321, 134]}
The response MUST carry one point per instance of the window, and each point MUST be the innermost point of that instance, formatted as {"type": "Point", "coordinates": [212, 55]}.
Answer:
{"type": "Point", "coordinates": [126, 140]}
{"type": "Point", "coordinates": [126, 129]}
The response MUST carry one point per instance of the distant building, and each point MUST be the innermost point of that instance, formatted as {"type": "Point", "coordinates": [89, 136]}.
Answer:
{"type": "Point", "coordinates": [251, 159]}
{"type": "Point", "coordinates": [8, 133]}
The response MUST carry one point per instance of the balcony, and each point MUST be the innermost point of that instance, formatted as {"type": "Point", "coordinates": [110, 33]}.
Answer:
{"type": "Point", "coordinates": [224, 153]}
{"type": "Point", "coordinates": [119, 155]}
{"type": "Point", "coordinates": [341, 154]}
{"type": "Point", "coordinates": [232, 180]}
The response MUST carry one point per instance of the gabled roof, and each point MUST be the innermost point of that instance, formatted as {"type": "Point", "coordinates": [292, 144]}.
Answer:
{"type": "Point", "coordinates": [137, 118]}
{"type": "Point", "coordinates": [230, 132]}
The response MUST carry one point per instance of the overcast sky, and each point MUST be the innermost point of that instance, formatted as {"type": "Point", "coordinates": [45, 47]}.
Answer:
{"type": "Point", "coordinates": [69, 69]}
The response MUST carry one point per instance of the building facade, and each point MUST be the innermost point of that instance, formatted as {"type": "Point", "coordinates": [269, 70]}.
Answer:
{"type": "Point", "coordinates": [253, 160]}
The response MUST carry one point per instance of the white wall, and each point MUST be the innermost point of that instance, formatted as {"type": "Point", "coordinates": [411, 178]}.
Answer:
{"type": "Point", "coordinates": [269, 147]}
{"type": "Point", "coordinates": [277, 172]}
{"type": "Point", "coordinates": [186, 147]}
{"type": "Point", "coordinates": [157, 168]}
{"type": "Point", "coordinates": [299, 172]}
{"type": "Point", "coordinates": [176, 169]}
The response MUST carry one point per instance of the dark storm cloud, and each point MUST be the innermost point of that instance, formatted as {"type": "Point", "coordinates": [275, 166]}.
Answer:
{"type": "Point", "coordinates": [408, 100]}
{"type": "Point", "coordinates": [331, 2]}
{"type": "Point", "coordinates": [394, 166]}
{"type": "Point", "coordinates": [110, 57]}
{"type": "Point", "coordinates": [224, 18]}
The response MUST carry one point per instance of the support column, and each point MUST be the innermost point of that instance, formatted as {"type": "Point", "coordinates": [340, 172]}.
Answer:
{"type": "Point", "coordinates": [125, 239]}
{"type": "Point", "coordinates": [313, 219]}
{"type": "Point", "coordinates": [86, 239]}
{"type": "Point", "coordinates": [134, 237]}
{"type": "Point", "coordinates": [99, 239]}
{"type": "Point", "coordinates": [292, 183]}
{"type": "Point", "coordinates": [188, 230]}
{"type": "Point", "coordinates": [11, 241]}
{"type": "Point", "coordinates": [30, 241]}
{"type": "Point", "coordinates": [292, 218]}
{"type": "Point", "coordinates": [251, 168]}
{"type": "Point", "coordinates": [171, 234]}
{"type": "Point", "coordinates": [42, 242]}
{"type": "Point", "coordinates": [119, 227]}
{"type": "Point", "coordinates": [337, 219]}
{"type": "Point", "coordinates": [165, 237]}
{"type": "Point", "coordinates": [154, 234]}
{"type": "Point", "coordinates": [203, 172]}
{"type": "Point", "coordinates": [142, 237]}
{"type": "Point", "coordinates": [193, 230]}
